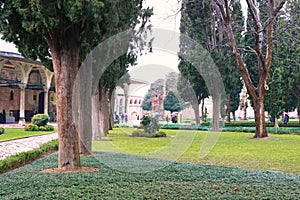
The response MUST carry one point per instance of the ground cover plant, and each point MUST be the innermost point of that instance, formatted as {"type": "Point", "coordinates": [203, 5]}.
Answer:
{"type": "Point", "coordinates": [235, 149]}
{"type": "Point", "coordinates": [174, 181]}
{"type": "Point", "coordinates": [15, 133]}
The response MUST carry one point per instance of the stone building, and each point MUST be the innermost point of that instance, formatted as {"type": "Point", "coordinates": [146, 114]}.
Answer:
{"type": "Point", "coordinates": [128, 99]}
{"type": "Point", "coordinates": [26, 88]}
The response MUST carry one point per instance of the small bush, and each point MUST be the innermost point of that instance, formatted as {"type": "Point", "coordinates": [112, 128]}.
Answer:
{"type": "Point", "coordinates": [49, 128]}
{"type": "Point", "coordinates": [31, 127]}
{"type": "Point", "coordinates": [2, 130]}
{"type": "Point", "coordinates": [40, 119]}
{"type": "Point", "coordinates": [150, 124]}
{"type": "Point", "coordinates": [39, 123]}
{"type": "Point", "coordinates": [140, 133]}
{"type": "Point", "coordinates": [160, 134]}
{"type": "Point", "coordinates": [42, 128]}
{"type": "Point", "coordinates": [137, 133]}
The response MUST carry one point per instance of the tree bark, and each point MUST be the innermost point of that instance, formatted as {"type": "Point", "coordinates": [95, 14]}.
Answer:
{"type": "Point", "coordinates": [197, 113]}
{"type": "Point", "coordinates": [104, 112]}
{"type": "Point", "coordinates": [257, 93]}
{"type": "Point", "coordinates": [228, 108]}
{"type": "Point", "coordinates": [111, 109]}
{"type": "Point", "coordinates": [202, 111]}
{"type": "Point", "coordinates": [95, 116]}
{"type": "Point", "coordinates": [233, 115]}
{"type": "Point", "coordinates": [216, 113]}
{"type": "Point", "coordinates": [85, 119]}
{"type": "Point", "coordinates": [259, 112]}
{"type": "Point", "coordinates": [65, 58]}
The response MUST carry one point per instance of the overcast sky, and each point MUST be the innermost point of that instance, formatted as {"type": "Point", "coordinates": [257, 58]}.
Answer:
{"type": "Point", "coordinates": [153, 65]}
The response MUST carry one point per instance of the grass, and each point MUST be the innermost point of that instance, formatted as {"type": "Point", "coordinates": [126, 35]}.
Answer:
{"type": "Point", "coordinates": [14, 133]}
{"type": "Point", "coordinates": [174, 181]}
{"type": "Point", "coordinates": [281, 153]}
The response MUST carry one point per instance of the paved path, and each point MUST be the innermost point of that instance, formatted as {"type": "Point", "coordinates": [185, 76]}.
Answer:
{"type": "Point", "coordinates": [12, 147]}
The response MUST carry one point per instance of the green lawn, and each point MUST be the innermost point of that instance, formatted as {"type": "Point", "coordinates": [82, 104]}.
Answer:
{"type": "Point", "coordinates": [174, 181]}
{"type": "Point", "coordinates": [281, 153]}
{"type": "Point", "coordinates": [14, 133]}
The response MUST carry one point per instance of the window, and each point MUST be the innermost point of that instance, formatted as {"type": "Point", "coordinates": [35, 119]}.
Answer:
{"type": "Point", "coordinates": [130, 101]}
{"type": "Point", "coordinates": [11, 95]}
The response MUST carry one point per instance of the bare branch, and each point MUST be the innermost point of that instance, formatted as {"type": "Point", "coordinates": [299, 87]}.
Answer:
{"type": "Point", "coordinates": [272, 15]}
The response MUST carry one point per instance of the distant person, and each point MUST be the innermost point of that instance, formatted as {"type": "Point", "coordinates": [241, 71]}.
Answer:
{"type": "Point", "coordinates": [122, 117]}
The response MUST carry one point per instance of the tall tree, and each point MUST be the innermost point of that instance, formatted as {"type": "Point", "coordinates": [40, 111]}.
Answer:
{"type": "Point", "coordinates": [173, 102]}
{"type": "Point", "coordinates": [192, 88]}
{"type": "Point", "coordinates": [64, 31]}
{"type": "Point", "coordinates": [258, 92]}
{"type": "Point", "coordinates": [208, 31]}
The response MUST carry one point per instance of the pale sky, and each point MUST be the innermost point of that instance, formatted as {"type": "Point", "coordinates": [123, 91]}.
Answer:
{"type": "Point", "coordinates": [166, 16]}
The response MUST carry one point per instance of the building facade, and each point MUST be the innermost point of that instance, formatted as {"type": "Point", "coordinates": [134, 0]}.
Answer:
{"type": "Point", "coordinates": [26, 88]}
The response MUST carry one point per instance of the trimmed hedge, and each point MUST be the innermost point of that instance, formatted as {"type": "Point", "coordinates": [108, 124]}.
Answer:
{"type": "Point", "coordinates": [140, 133]}
{"type": "Point", "coordinates": [281, 130]}
{"type": "Point", "coordinates": [22, 158]}
{"type": "Point", "coordinates": [252, 124]}
{"type": "Point", "coordinates": [2, 131]}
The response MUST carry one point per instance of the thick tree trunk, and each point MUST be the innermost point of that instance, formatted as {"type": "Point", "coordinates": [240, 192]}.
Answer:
{"type": "Point", "coordinates": [202, 111]}
{"type": "Point", "coordinates": [96, 115]}
{"type": "Point", "coordinates": [259, 112]}
{"type": "Point", "coordinates": [126, 90]}
{"type": "Point", "coordinates": [104, 112]}
{"type": "Point", "coordinates": [233, 115]}
{"type": "Point", "coordinates": [111, 109]}
{"type": "Point", "coordinates": [197, 113]}
{"type": "Point", "coordinates": [228, 108]}
{"type": "Point", "coordinates": [298, 110]}
{"type": "Point", "coordinates": [216, 113]}
{"type": "Point", "coordinates": [65, 58]}
{"type": "Point", "coordinates": [85, 119]}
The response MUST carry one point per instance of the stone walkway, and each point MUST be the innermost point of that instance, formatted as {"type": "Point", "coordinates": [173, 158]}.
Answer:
{"type": "Point", "coordinates": [12, 147]}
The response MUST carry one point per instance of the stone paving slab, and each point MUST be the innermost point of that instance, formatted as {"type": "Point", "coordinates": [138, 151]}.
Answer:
{"type": "Point", "coordinates": [12, 147]}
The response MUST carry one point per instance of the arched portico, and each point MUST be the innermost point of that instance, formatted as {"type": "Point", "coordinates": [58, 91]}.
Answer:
{"type": "Point", "coordinates": [29, 81]}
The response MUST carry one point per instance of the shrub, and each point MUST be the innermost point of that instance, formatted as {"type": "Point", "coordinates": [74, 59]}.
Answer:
{"type": "Point", "coordinates": [160, 134]}
{"type": "Point", "coordinates": [49, 128]}
{"type": "Point", "coordinates": [31, 127]}
{"type": "Point", "coordinates": [42, 128]}
{"type": "Point", "coordinates": [150, 124]}
{"type": "Point", "coordinates": [2, 130]}
{"type": "Point", "coordinates": [137, 133]}
{"type": "Point", "coordinates": [40, 119]}
{"type": "Point", "coordinates": [140, 133]}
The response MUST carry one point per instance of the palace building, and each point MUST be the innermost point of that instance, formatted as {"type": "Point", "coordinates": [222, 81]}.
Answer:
{"type": "Point", "coordinates": [26, 88]}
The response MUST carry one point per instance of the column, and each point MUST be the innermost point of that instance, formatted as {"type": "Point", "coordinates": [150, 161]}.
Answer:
{"type": "Point", "coordinates": [46, 99]}
{"type": "Point", "coordinates": [22, 104]}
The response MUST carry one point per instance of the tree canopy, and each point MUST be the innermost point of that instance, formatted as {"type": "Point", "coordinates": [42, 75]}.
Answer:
{"type": "Point", "coordinates": [66, 31]}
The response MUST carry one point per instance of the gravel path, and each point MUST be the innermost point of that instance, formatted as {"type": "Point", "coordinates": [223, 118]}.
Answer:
{"type": "Point", "coordinates": [13, 147]}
